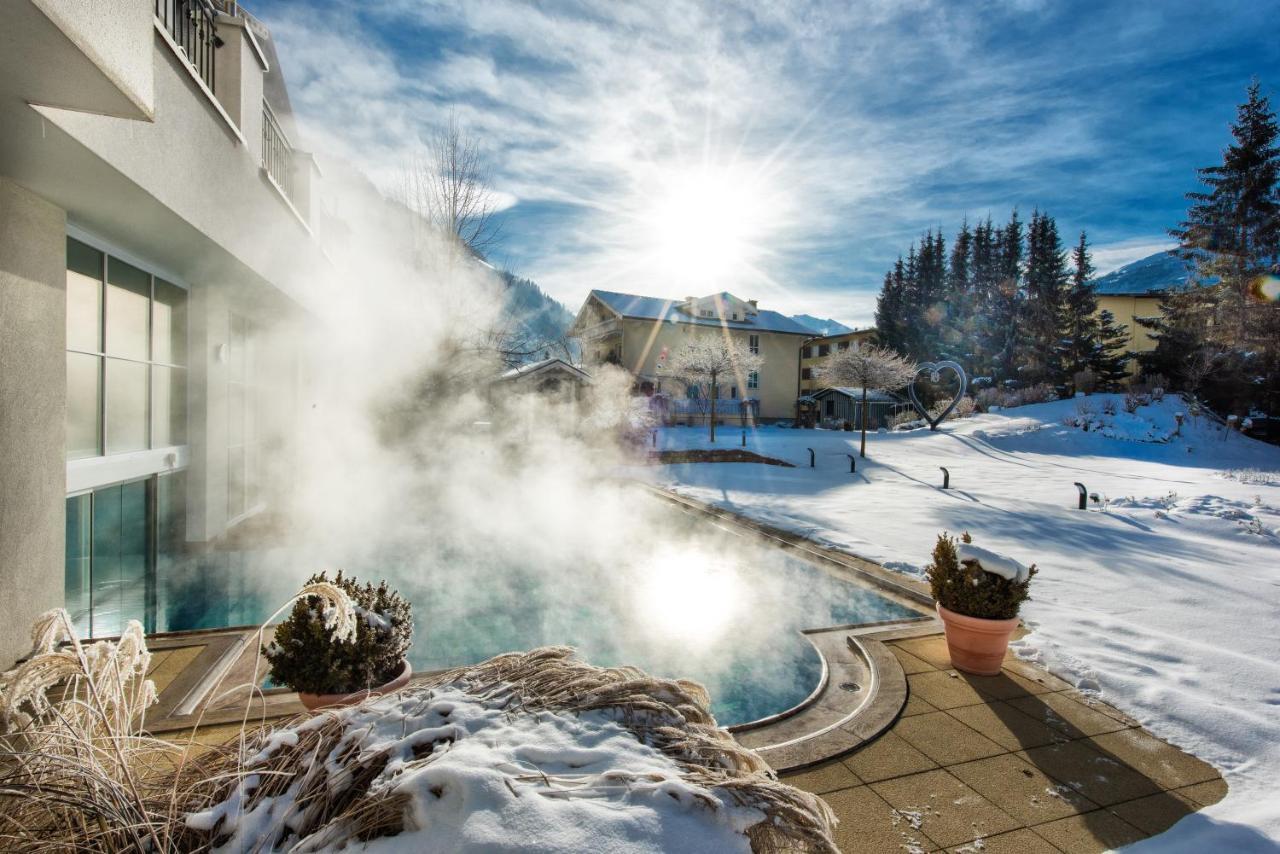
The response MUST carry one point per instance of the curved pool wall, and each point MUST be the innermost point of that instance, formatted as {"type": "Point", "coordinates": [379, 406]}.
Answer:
{"type": "Point", "coordinates": [685, 598]}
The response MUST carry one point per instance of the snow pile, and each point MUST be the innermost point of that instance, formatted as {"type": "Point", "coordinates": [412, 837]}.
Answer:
{"type": "Point", "coordinates": [989, 561]}
{"type": "Point", "coordinates": [1163, 601]}
{"type": "Point", "coordinates": [529, 751]}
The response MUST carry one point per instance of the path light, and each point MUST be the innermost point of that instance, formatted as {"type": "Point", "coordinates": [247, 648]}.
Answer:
{"type": "Point", "coordinates": [655, 438]}
{"type": "Point", "coordinates": [1084, 496]}
{"type": "Point", "coordinates": [1178, 416]}
{"type": "Point", "coordinates": [946, 477]}
{"type": "Point", "coordinates": [810, 450]}
{"type": "Point", "coordinates": [744, 438]}
{"type": "Point", "coordinates": [853, 463]}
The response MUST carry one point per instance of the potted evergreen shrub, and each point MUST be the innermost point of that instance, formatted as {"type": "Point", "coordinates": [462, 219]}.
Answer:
{"type": "Point", "coordinates": [330, 665]}
{"type": "Point", "coordinates": [977, 593]}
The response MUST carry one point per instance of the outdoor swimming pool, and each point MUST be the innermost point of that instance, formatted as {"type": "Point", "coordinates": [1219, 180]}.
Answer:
{"type": "Point", "coordinates": [692, 600]}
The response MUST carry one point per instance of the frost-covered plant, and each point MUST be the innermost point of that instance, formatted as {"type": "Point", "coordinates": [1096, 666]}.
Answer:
{"type": "Point", "coordinates": [1039, 393]}
{"type": "Point", "coordinates": [1085, 381]}
{"type": "Point", "coordinates": [341, 637]}
{"type": "Point", "coordinates": [1109, 406]}
{"type": "Point", "coordinates": [1134, 399]}
{"type": "Point", "coordinates": [966, 588]}
{"type": "Point", "coordinates": [986, 398]}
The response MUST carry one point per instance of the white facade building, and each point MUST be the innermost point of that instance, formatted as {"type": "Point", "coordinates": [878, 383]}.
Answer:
{"type": "Point", "coordinates": [155, 248]}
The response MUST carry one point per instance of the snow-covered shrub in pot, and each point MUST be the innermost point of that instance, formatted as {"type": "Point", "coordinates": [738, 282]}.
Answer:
{"type": "Point", "coordinates": [339, 659]}
{"type": "Point", "coordinates": [977, 593]}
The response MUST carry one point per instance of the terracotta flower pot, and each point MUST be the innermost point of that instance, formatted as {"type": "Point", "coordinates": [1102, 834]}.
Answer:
{"type": "Point", "coordinates": [976, 645]}
{"type": "Point", "coordinates": [333, 701]}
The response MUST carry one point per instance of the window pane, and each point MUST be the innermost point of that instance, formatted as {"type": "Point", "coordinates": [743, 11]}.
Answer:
{"type": "Point", "coordinates": [168, 406]}
{"type": "Point", "coordinates": [106, 562]}
{"type": "Point", "coordinates": [79, 529]}
{"type": "Point", "coordinates": [84, 312]}
{"type": "Point", "coordinates": [134, 581]}
{"type": "Point", "coordinates": [126, 406]}
{"type": "Point", "coordinates": [83, 390]}
{"type": "Point", "coordinates": [128, 304]}
{"type": "Point", "coordinates": [172, 561]}
{"type": "Point", "coordinates": [169, 324]}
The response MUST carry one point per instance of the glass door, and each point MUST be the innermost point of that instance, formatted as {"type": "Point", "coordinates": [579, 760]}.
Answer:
{"type": "Point", "coordinates": [110, 575]}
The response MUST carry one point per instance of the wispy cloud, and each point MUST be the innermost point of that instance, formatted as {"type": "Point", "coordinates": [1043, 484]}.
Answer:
{"type": "Point", "coordinates": [861, 124]}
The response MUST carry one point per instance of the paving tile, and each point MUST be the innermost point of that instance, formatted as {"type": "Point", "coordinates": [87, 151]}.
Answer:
{"type": "Point", "coordinates": [823, 778]}
{"type": "Point", "coordinates": [1021, 790]}
{"type": "Point", "coordinates": [1155, 813]}
{"type": "Point", "coordinates": [1004, 685]}
{"type": "Point", "coordinates": [888, 756]}
{"type": "Point", "coordinates": [1006, 726]}
{"type": "Point", "coordinates": [1100, 778]}
{"type": "Point", "coordinates": [868, 823]}
{"type": "Point", "coordinates": [1093, 831]}
{"type": "Point", "coordinates": [1099, 706]}
{"type": "Point", "coordinates": [173, 664]}
{"type": "Point", "coordinates": [1014, 842]}
{"type": "Point", "coordinates": [917, 706]}
{"type": "Point", "coordinates": [944, 739]}
{"type": "Point", "coordinates": [1064, 714]}
{"type": "Point", "coordinates": [932, 649]}
{"type": "Point", "coordinates": [1159, 760]}
{"type": "Point", "coordinates": [910, 663]}
{"type": "Point", "coordinates": [1035, 673]}
{"type": "Point", "coordinates": [944, 689]}
{"type": "Point", "coordinates": [948, 812]}
{"type": "Point", "coordinates": [1206, 794]}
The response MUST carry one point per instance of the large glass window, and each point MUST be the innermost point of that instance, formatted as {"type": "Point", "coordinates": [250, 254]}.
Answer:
{"type": "Point", "coordinates": [79, 550]}
{"type": "Point", "coordinates": [110, 576]}
{"type": "Point", "coordinates": [126, 356]}
{"type": "Point", "coordinates": [242, 419]}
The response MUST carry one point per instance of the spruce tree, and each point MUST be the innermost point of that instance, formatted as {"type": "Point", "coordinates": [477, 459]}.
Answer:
{"type": "Point", "coordinates": [999, 329]}
{"type": "Point", "coordinates": [1232, 236]}
{"type": "Point", "coordinates": [1081, 327]}
{"type": "Point", "coordinates": [1041, 351]}
{"type": "Point", "coordinates": [957, 333]}
{"type": "Point", "coordinates": [1109, 360]}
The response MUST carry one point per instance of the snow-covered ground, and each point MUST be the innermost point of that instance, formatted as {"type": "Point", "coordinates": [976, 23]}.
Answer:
{"type": "Point", "coordinates": [1163, 597]}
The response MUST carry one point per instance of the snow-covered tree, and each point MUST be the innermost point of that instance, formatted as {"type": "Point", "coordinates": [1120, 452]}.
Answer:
{"type": "Point", "coordinates": [868, 368]}
{"type": "Point", "coordinates": [708, 359]}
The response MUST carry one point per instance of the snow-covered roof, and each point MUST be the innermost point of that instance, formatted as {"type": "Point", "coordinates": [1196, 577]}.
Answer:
{"type": "Point", "coordinates": [658, 308]}
{"type": "Point", "coordinates": [544, 365]}
{"type": "Point", "coordinates": [873, 395]}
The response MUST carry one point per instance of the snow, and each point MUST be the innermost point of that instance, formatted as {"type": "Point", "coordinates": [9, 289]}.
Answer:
{"type": "Point", "coordinates": [1162, 597]}
{"type": "Point", "coordinates": [989, 561]}
{"type": "Point", "coordinates": [502, 780]}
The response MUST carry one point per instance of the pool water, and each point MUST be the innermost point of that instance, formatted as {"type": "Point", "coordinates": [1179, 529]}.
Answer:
{"type": "Point", "coordinates": [692, 601]}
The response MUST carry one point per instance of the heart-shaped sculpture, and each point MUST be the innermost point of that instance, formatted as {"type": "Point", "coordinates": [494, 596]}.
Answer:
{"type": "Point", "coordinates": [935, 370]}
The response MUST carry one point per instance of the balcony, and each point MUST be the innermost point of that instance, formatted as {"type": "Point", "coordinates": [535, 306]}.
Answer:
{"type": "Point", "coordinates": [192, 25]}
{"type": "Point", "coordinates": [277, 155]}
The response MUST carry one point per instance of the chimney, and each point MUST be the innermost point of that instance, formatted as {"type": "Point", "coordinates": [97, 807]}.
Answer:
{"type": "Point", "coordinates": [753, 304]}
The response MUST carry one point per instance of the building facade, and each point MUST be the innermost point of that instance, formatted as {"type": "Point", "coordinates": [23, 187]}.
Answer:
{"type": "Point", "coordinates": [815, 350]}
{"type": "Point", "coordinates": [155, 251]}
{"type": "Point", "coordinates": [642, 334]}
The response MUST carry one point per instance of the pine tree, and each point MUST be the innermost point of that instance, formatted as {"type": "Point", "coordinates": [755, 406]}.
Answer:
{"type": "Point", "coordinates": [999, 329]}
{"type": "Point", "coordinates": [983, 279]}
{"type": "Point", "coordinates": [1081, 326]}
{"type": "Point", "coordinates": [889, 309]}
{"type": "Point", "coordinates": [957, 334]}
{"type": "Point", "coordinates": [1232, 236]}
{"type": "Point", "coordinates": [1109, 360]}
{"type": "Point", "coordinates": [1040, 357]}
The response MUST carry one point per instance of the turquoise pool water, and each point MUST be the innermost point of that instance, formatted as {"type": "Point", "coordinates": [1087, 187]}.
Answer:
{"type": "Point", "coordinates": [691, 601]}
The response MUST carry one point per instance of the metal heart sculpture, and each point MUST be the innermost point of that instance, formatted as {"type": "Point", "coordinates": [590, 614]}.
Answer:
{"type": "Point", "coordinates": [935, 370]}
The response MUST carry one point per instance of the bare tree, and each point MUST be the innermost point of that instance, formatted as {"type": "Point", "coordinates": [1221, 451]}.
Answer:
{"type": "Point", "coordinates": [709, 358]}
{"type": "Point", "coordinates": [868, 368]}
{"type": "Point", "coordinates": [449, 185]}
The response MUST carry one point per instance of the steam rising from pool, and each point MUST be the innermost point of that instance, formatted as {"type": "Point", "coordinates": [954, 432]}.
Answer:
{"type": "Point", "coordinates": [499, 516]}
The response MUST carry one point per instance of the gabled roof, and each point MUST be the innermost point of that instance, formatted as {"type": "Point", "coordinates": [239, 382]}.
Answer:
{"type": "Point", "coordinates": [657, 308]}
{"type": "Point", "coordinates": [873, 395]}
{"type": "Point", "coordinates": [544, 365]}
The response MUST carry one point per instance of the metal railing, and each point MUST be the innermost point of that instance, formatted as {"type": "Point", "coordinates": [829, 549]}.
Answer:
{"type": "Point", "coordinates": [277, 153]}
{"type": "Point", "coordinates": [192, 24]}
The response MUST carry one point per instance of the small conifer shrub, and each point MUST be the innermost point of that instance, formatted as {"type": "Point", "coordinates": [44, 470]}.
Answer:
{"type": "Point", "coordinates": [970, 590]}
{"type": "Point", "coordinates": [305, 656]}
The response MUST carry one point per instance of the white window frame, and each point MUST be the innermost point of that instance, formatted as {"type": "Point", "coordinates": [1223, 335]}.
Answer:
{"type": "Point", "coordinates": [753, 344]}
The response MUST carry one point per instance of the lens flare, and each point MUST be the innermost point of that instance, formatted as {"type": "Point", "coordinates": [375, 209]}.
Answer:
{"type": "Point", "coordinates": [1266, 288]}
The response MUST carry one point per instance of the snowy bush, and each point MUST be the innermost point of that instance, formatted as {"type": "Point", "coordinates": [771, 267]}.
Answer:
{"type": "Point", "coordinates": [307, 655]}
{"type": "Point", "coordinates": [964, 585]}
{"type": "Point", "coordinates": [1253, 476]}
{"type": "Point", "coordinates": [986, 398]}
{"type": "Point", "coordinates": [1109, 406]}
{"type": "Point", "coordinates": [1085, 381]}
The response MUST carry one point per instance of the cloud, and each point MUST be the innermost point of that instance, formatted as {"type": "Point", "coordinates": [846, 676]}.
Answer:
{"type": "Point", "coordinates": [1112, 256]}
{"type": "Point", "coordinates": [862, 123]}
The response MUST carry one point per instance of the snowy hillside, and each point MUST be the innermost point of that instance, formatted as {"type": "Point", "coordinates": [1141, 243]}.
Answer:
{"type": "Point", "coordinates": [1154, 273]}
{"type": "Point", "coordinates": [1162, 596]}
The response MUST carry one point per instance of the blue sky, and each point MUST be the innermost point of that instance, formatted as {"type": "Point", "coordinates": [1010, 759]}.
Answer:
{"type": "Point", "coordinates": [786, 152]}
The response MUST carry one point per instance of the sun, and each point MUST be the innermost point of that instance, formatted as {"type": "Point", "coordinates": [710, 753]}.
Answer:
{"type": "Point", "coordinates": [707, 224]}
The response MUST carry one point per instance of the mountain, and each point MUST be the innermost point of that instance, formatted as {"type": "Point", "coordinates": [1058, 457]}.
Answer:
{"type": "Point", "coordinates": [1150, 275]}
{"type": "Point", "coordinates": [539, 316]}
{"type": "Point", "coordinates": [820, 326]}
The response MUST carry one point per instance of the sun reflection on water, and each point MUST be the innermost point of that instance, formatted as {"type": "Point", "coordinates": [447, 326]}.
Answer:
{"type": "Point", "coordinates": [690, 595]}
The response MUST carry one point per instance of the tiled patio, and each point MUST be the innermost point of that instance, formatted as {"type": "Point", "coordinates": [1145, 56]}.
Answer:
{"type": "Point", "coordinates": [1020, 761]}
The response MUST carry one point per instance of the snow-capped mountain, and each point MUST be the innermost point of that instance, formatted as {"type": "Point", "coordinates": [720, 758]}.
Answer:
{"type": "Point", "coordinates": [819, 325]}
{"type": "Point", "coordinates": [1158, 272]}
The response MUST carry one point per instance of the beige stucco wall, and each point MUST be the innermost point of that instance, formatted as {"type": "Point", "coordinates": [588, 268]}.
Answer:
{"type": "Point", "coordinates": [644, 340]}
{"type": "Point", "coordinates": [33, 393]}
{"type": "Point", "coordinates": [861, 337]}
{"type": "Point", "coordinates": [1126, 309]}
